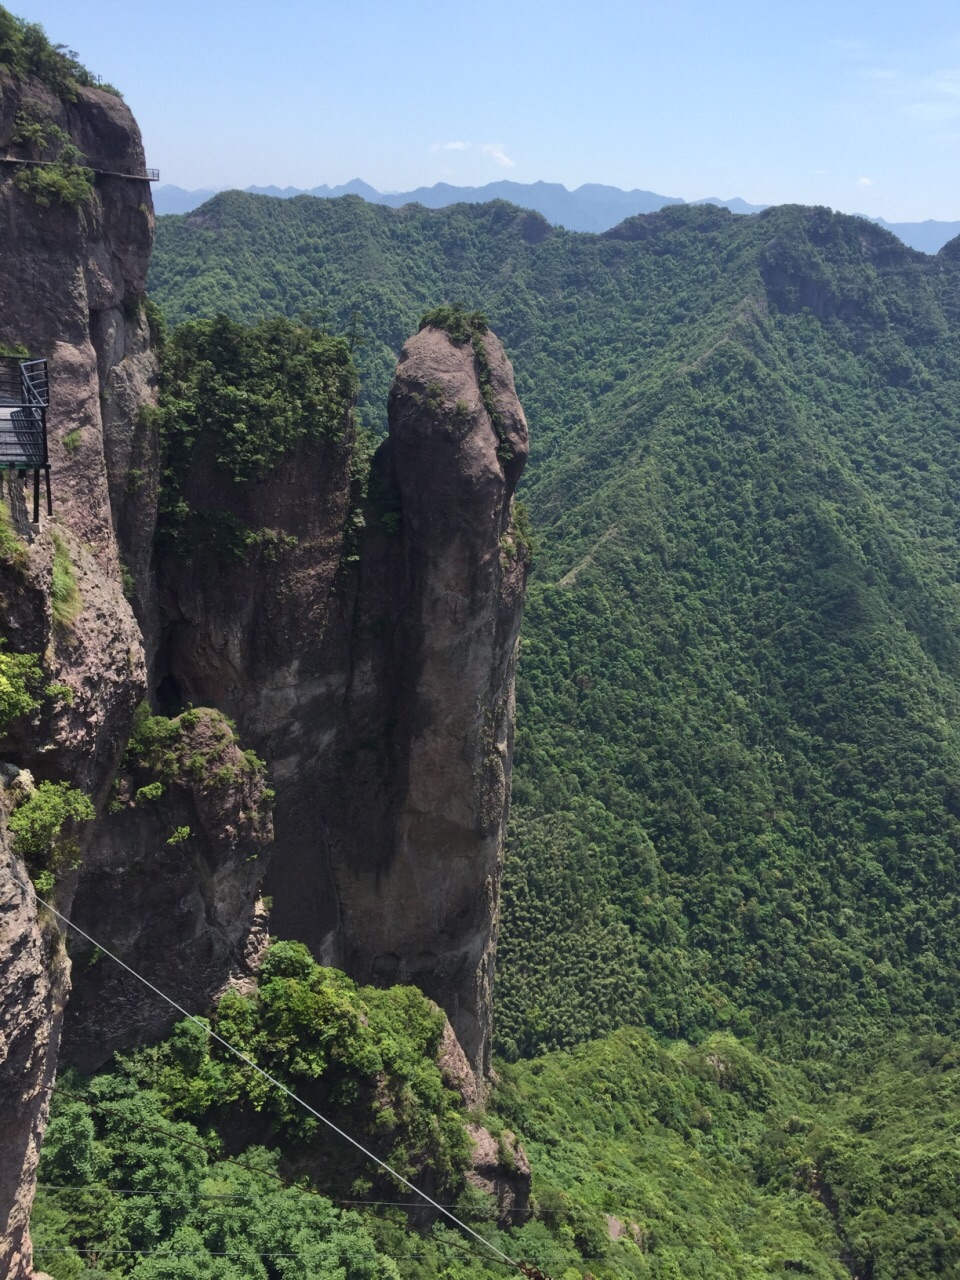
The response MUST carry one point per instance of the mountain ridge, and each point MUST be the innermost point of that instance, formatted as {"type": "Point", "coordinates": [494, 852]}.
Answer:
{"type": "Point", "coordinates": [593, 206]}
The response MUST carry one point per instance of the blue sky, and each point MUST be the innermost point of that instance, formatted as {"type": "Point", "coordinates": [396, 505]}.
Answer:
{"type": "Point", "coordinates": [853, 105]}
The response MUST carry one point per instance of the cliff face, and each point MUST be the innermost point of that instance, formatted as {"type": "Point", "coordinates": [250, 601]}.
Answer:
{"type": "Point", "coordinates": [377, 678]}
{"type": "Point", "coordinates": [371, 666]}
{"type": "Point", "coordinates": [415, 781]}
{"type": "Point", "coordinates": [171, 883]}
{"type": "Point", "coordinates": [71, 277]}
{"type": "Point", "coordinates": [32, 991]}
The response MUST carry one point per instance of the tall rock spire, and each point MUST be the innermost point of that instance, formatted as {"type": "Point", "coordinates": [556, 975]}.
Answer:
{"type": "Point", "coordinates": [418, 795]}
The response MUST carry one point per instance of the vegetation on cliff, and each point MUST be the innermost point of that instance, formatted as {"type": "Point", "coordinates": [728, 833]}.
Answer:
{"type": "Point", "coordinates": [233, 400]}
{"type": "Point", "coordinates": [26, 50]}
{"type": "Point", "coordinates": [44, 828]}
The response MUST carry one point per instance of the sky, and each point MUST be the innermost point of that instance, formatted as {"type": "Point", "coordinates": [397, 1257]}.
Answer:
{"type": "Point", "coordinates": [850, 104]}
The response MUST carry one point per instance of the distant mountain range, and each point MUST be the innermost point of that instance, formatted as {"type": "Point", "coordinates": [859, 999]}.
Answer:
{"type": "Point", "coordinates": [591, 207]}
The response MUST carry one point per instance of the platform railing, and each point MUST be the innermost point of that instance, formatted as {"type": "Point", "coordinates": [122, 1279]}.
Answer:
{"type": "Point", "coordinates": [35, 383]}
{"type": "Point", "coordinates": [24, 398]}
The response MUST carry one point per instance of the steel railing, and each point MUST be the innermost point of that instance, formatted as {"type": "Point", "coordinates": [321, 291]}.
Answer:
{"type": "Point", "coordinates": [35, 383]}
{"type": "Point", "coordinates": [11, 387]}
{"type": "Point", "coordinates": [23, 438]}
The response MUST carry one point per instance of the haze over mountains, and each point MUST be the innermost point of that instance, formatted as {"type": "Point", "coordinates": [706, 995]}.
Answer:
{"type": "Point", "coordinates": [593, 206]}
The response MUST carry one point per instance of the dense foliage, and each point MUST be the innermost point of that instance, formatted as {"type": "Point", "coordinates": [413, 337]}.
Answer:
{"type": "Point", "coordinates": [26, 50]}
{"type": "Point", "coordinates": [652, 1161]}
{"type": "Point", "coordinates": [170, 1165]}
{"type": "Point", "coordinates": [233, 400]}
{"type": "Point", "coordinates": [737, 780]}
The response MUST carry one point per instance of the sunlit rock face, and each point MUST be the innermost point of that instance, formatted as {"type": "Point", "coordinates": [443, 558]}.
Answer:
{"type": "Point", "coordinates": [416, 781]}
{"type": "Point", "coordinates": [72, 278]}
{"type": "Point", "coordinates": [370, 661]}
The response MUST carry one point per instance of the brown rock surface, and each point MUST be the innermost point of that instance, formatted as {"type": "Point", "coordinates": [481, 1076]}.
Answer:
{"type": "Point", "coordinates": [457, 1071]}
{"type": "Point", "coordinates": [499, 1167]}
{"type": "Point", "coordinates": [415, 784]}
{"type": "Point", "coordinates": [63, 270]}
{"type": "Point", "coordinates": [171, 882]}
{"type": "Point", "coordinates": [266, 639]}
{"type": "Point", "coordinates": [32, 989]}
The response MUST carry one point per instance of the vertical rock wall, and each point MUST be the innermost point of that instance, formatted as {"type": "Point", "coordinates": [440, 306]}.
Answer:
{"type": "Point", "coordinates": [32, 990]}
{"type": "Point", "coordinates": [416, 780]}
{"type": "Point", "coordinates": [377, 679]}
{"type": "Point", "coordinates": [71, 280]}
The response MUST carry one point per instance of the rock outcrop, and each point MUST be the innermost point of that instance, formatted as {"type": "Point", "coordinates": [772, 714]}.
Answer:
{"type": "Point", "coordinates": [368, 655]}
{"type": "Point", "coordinates": [377, 677]}
{"type": "Point", "coordinates": [172, 881]}
{"type": "Point", "coordinates": [499, 1168]}
{"type": "Point", "coordinates": [415, 782]}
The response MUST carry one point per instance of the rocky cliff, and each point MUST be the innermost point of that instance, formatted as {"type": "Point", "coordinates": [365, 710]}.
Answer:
{"type": "Point", "coordinates": [71, 279]}
{"type": "Point", "coordinates": [72, 275]}
{"type": "Point", "coordinates": [365, 650]}
{"type": "Point", "coordinates": [415, 780]}
{"type": "Point", "coordinates": [369, 656]}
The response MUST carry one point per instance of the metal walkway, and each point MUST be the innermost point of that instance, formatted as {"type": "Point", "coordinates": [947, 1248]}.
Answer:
{"type": "Point", "coordinates": [21, 437]}
{"type": "Point", "coordinates": [148, 175]}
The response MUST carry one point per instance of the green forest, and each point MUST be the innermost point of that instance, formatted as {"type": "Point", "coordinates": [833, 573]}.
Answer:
{"type": "Point", "coordinates": [727, 988]}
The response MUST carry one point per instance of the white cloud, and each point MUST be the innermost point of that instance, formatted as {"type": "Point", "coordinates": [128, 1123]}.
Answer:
{"type": "Point", "coordinates": [864, 182]}
{"type": "Point", "coordinates": [449, 146]}
{"type": "Point", "coordinates": [496, 152]}
{"type": "Point", "coordinates": [931, 99]}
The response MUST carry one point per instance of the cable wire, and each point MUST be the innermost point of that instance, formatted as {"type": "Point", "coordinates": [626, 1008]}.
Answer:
{"type": "Point", "coordinates": [240, 1195]}
{"type": "Point", "coordinates": [360, 1206]}
{"type": "Point", "coordinates": [272, 1080]}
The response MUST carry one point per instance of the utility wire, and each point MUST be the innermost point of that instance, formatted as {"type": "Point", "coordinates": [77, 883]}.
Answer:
{"type": "Point", "coordinates": [276, 1083]}
{"type": "Point", "coordinates": [242, 1195]}
{"type": "Point", "coordinates": [293, 1187]}
{"type": "Point", "coordinates": [361, 1205]}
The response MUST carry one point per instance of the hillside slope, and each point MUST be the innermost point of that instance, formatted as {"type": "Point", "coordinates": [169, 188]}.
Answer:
{"type": "Point", "coordinates": [736, 789]}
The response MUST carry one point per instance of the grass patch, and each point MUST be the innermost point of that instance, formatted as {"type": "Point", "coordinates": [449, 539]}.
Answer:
{"type": "Point", "coordinates": [65, 601]}
{"type": "Point", "coordinates": [12, 550]}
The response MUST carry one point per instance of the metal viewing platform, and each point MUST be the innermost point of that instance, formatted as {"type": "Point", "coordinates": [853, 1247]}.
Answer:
{"type": "Point", "coordinates": [24, 398]}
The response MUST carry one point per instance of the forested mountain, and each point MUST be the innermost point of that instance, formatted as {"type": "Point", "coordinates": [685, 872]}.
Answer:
{"type": "Point", "coordinates": [735, 801]}
{"type": "Point", "coordinates": [593, 206]}
{"type": "Point", "coordinates": [738, 764]}
{"type": "Point", "coordinates": [727, 969]}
